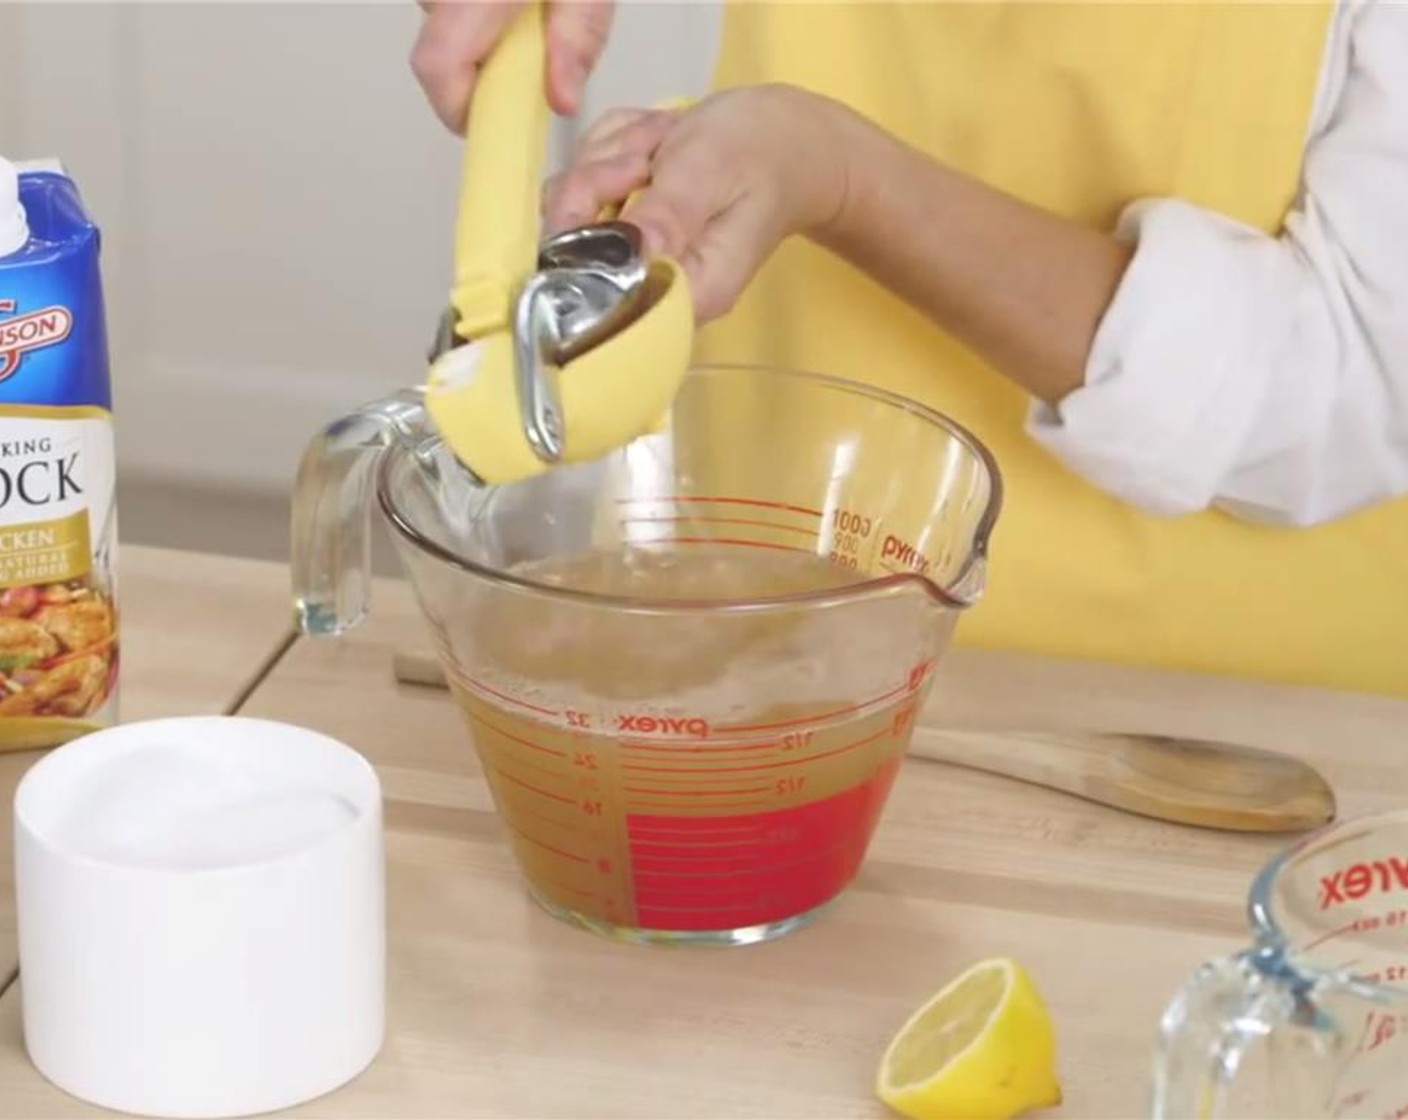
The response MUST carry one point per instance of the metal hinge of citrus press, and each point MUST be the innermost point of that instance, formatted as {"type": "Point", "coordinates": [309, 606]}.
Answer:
{"type": "Point", "coordinates": [585, 288]}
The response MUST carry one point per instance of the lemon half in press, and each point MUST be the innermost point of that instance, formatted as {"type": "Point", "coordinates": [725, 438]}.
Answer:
{"type": "Point", "coordinates": [983, 1048]}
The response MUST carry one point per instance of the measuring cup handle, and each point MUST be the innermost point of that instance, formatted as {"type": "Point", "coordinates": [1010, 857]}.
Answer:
{"type": "Point", "coordinates": [330, 521]}
{"type": "Point", "coordinates": [1226, 1008]}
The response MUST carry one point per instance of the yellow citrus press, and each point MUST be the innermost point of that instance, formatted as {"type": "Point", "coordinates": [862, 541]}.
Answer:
{"type": "Point", "coordinates": [555, 351]}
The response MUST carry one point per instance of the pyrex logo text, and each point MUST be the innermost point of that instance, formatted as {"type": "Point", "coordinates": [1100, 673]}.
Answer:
{"type": "Point", "coordinates": [905, 553]}
{"type": "Point", "coordinates": [34, 330]}
{"type": "Point", "coordinates": [1357, 880]}
{"type": "Point", "coordinates": [663, 725]}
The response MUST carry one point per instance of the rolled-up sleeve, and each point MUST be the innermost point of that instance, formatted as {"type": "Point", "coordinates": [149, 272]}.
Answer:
{"type": "Point", "coordinates": [1267, 376]}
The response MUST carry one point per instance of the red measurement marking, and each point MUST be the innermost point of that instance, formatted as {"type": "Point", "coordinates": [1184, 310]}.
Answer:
{"type": "Point", "coordinates": [684, 499]}
{"type": "Point", "coordinates": [1334, 933]}
{"type": "Point", "coordinates": [697, 792]}
{"type": "Point", "coordinates": [533, 768]}
{"type": "Point", "coordinates": [548, 847]}
{"type": "Point", "coordinates": [800, 760]}
{"type": "Point", "coordinates": [696, 520]}
{"type": "Point", "coordinates": [665, 807]}
{"type": "Point", "coordinates": [737, 543]}
{"type": "Point", "coordinates": [711, 826]}
{"type": "Point", "coordinates": [697, 873]}
{"type": "Point", "coordinates": [820, 717]}
{"type": "Point", "coordinates": [1393, 974]}
{"type": "Point", "coordinates": [512, 738]}
{"type": "Point", "coordinates": [682, 847]}
{"type": "Point", "coordinates": [587, 830]}
{"type": "Point", "coordinates": [679, 747]}
{"type": "Point", "coordinates": [767, 887]}
{"type": "Point", "coordinates": [675, 779]}
{"type": "Point", "coordinates": [504, 696]}
{"type": "Point", "coordinates": [532, 789]}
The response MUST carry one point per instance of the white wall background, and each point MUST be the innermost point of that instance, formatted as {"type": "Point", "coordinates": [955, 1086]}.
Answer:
{"type": "Point", "coordinates": [277, 203]}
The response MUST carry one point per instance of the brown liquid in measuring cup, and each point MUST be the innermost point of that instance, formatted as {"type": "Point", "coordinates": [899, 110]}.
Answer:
{"type": "Point", "coordinates": [691, 771]}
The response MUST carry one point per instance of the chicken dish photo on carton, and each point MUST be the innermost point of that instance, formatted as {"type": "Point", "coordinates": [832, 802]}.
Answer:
{"type": "Point", "coordinates": [58, 650]}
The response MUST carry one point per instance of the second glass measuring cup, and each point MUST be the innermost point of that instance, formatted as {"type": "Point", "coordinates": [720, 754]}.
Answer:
{"type": "Point", "coordinates": [1312, 1019]}
{"type": "Point", "coordinates": [690, 669]}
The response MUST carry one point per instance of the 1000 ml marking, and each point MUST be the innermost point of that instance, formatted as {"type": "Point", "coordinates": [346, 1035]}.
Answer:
{"type": "Point", "coordinates": [848, 536]}
{"type": "Point", "coordinates": [849, 530]}
{"type": "Point", "coordinates": [852, 530]}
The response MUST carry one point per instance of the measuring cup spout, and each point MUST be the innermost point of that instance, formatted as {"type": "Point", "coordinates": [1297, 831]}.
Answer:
{"type": "Point", "coordinates": [330, 541]}
{"type": "Point", "coordinates": [968, 585]}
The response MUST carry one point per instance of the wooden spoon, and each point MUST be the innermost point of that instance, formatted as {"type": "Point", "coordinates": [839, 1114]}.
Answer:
{"type": "Point", "coordinates": [1187, 781]}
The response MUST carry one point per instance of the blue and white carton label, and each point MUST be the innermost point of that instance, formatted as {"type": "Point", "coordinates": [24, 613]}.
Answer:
{"type": "Point", "coordinates": [58, 523]}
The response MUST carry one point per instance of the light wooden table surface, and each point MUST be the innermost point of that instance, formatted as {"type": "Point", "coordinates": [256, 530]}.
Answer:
{"type": "Point", "coordinates": [498, 1010]}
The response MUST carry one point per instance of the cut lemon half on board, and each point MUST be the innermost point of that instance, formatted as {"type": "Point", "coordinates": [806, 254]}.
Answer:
{"type": "Point", "coordinates": [982, 1049]}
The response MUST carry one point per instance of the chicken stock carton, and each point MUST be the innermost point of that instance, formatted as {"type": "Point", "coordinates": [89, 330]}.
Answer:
{"type": "Point", "coordinates": [58, 516]}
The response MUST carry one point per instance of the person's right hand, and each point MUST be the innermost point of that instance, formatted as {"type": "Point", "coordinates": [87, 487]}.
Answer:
{"type": "Point", "coordinates": [456, 36]}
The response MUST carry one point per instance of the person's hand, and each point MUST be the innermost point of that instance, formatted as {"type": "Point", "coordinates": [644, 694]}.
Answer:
{"type": "Point", "coordinates": [720, 184]}
{"type": "Point", "coordinates": [456, 36]}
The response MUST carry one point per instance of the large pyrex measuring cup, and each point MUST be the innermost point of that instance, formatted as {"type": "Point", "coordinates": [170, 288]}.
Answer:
{"type": "Point", "coordinates": [1313, 1019]}
{"type": "Point", "coordinates": [690, 669]}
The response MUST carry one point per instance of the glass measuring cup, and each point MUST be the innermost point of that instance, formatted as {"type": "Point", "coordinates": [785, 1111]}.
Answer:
{"type": "Point", "coordinates": [690, 669]}
{"type": "Point", "coordinates": [1314, 1016]}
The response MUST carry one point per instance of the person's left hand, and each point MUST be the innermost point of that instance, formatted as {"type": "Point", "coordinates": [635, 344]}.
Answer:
{"type": "Point", "coordinates": [720, 184]}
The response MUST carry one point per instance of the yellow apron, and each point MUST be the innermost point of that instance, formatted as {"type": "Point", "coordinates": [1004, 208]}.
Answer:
{"type": "Point", "coordinates": [1081, 108]}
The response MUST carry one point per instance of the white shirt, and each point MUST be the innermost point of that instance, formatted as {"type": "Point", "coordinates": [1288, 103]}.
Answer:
{"type": "Point", "coordinates": [1266, 376]}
